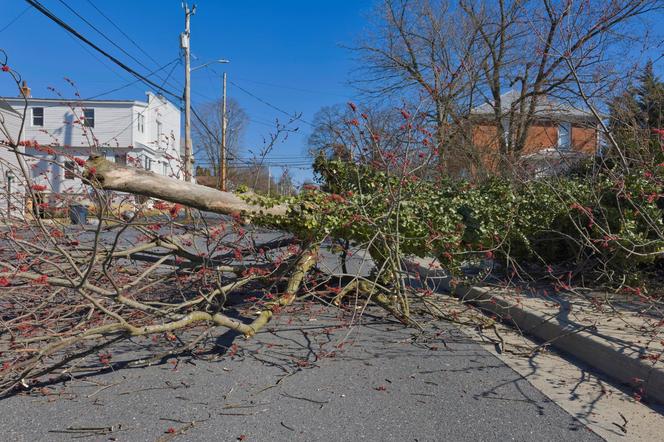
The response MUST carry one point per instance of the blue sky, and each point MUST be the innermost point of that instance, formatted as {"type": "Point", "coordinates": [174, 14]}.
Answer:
{"type": "Point", "coordinates": [288, 53]}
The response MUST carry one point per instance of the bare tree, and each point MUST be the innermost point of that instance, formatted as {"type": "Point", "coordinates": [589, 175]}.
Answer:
{"type": "Point", "coordinates": [285, 184]}
{"type": "Point", "coordinates": [335, 133]}
{"type": "Point", "coordinates": [425, 52]}
{"type": "Point", "coordinates": [461, 53]}
{"type": "Point", "coordinates": [329, 133]}
{"type": "Point", "coordinates": [207, 133]}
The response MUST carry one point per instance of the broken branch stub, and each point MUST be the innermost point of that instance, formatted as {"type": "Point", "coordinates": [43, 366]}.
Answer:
{"type": "Point", "coordinates": [107, 175]}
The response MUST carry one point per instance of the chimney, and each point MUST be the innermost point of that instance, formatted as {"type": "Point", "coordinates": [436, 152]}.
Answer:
{"type": "Point", "coordinates": [25, 90]}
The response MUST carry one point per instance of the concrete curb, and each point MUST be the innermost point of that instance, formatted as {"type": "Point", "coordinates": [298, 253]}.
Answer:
{"type": "Point", "coordinates": [567, 337]}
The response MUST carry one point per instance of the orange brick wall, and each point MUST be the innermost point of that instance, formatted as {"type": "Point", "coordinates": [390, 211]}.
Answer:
{"type": "Point", "coordinates": [542, 135]}
{"type": "Point", "coordinates": [485, 140]}
{"type": "Point", "coordinates": [485, 136]}
{"type": "Point", "coordinates": [584, 139]}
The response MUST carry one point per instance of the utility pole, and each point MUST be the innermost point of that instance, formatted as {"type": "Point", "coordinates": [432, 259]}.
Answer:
{"type": "Point", "coordinates": [269, 180]}
{"type": "Point", "coordinates": [224, 123]}
{"type": "Point", "coordinates": [185, 45]}
{"type": "Point", "coordinates": [221, 172]}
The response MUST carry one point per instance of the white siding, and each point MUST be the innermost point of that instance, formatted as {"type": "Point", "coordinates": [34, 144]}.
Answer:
{"type": "Point", "coordinates": [162, 149]}
{"type": "Point", "coordinates": [11, 185]}
{"type": "Point", "coordinates": [115, 132]}
{"type": "Point", "coordinates": [62, 124]}
{"type": "Point", "coordinates": [9, 168]}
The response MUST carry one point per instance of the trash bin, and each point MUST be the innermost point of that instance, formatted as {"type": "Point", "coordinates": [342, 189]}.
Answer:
{"type": "Point", "coordinates": [78, 214]}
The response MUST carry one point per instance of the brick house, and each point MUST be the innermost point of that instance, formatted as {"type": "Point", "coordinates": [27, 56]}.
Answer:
{"type": "Point", "coordinates": [559, 137]}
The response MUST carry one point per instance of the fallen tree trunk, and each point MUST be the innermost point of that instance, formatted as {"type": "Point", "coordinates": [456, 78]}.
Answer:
{"type": "Point", "coordinates": [110, 176]}
{"type": "Point", "coordinates": [85, 293]}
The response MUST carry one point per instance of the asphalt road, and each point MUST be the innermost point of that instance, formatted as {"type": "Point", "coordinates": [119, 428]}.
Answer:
{"type": "Point", "coordinates": [308, 377]}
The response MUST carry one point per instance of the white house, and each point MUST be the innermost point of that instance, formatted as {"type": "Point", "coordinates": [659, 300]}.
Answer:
{"type": "Point", "coordinates": [59, 133]}
{"type": "Point", "coordinates": [11, 186]}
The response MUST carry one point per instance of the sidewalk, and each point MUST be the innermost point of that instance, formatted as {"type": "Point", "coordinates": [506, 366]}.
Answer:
{"type": "Point", "coordinates": [613, 341]}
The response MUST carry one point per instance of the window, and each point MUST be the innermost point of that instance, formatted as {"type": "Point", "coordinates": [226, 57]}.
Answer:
{"type": "Point", "coordinates": [89, 117]}
{"type": "Point", "coordinates": [70, 170]}
{"type": "Point", "coordinates": [165, 166]}
{"type": "Point", "coordinates": [121, 159]}
{"type": "Point", "coordinates": [564, 136]}
{"type": "Point", "coordinates": [148, 163]}
{"type": "Point", "coordinates": [505, 126]}
{"type": "Point", "coordinates": [159, 132]}
{"type": "Point", "coordinates": [37, 116]}
{"type": "Point", "coordinates": [140, 121]}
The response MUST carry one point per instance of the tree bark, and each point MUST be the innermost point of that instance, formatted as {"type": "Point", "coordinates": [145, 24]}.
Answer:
{"type": "Point", "coordinates": [106, 175]}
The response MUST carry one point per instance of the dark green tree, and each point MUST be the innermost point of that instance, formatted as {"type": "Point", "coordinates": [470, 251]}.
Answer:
{"type": "Point", "coordinates": [637, 118]}
{"type": "Point", "coordinates": [650, 99]}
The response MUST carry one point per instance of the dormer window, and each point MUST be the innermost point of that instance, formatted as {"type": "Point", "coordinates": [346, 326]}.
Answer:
{"type": "Point", "coordinates": [38, 116]}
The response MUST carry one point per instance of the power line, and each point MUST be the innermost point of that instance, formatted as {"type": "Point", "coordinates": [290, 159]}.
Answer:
{"type": "Point", "coordinates": [146, 109]}
{"type": "Point", "coordinates": [102, 34]}
{"type": "Point", "coordinates": [37, 5]}
{"type": "Point", "coordinates": [281, 86]}
{"type": "Point", "coordinates": [105, 36]}
{"type": "Point", "coordinates": [232, 167]}
{"type": "Point", "coordinates": [136, 81]}
{"type": "Point", "coordinates": [12, 21]}
{"type": "Point", "coordinates": [255, 120]}
{"type": "Point", "coordinates": [209, 98]}
{"type": "Point", "coordinates": [267, 103]}
{"type": "Point", "coordinates": [170, 72]}
{"type": "Point", "coordinates": [263, 163]}
{"type": "Point", "coordinates": [123, 33]}
{"type": "Point", "coordinates": [208, 130]}
{"type": "Point", "coordinates": [285, 157]}
{"type": "Point", "coordinates": [72, 31]}
{"type": "Point", "coordinates": [218, 141]}
{"type": "Point", "coordinates": [131, 124]}
{"type": "Point", "coordinates": [94, 55]}
{"type": "Point", "coordinates": [140, 48]}
{"type": "Point", "coordinates": [244, 167]}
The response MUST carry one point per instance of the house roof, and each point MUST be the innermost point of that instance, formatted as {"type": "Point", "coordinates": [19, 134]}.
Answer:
{"type": "Point", "coordinates": [545, 107]}
{"type": "Point", "coordinates": [92, 101]}
{"type": "Point", "coordinates": [68, 101]}
{"type": "Point", "coordinates": [6, 107]}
